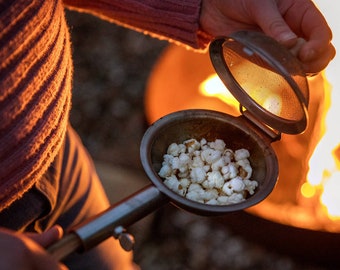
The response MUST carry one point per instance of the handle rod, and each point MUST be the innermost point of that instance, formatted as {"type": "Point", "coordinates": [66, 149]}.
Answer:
{"type": "Point", "coordinates": [100, 227]}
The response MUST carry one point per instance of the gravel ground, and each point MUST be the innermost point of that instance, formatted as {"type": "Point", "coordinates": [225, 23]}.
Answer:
{"type": "Point", "coordinates": [112, 65]}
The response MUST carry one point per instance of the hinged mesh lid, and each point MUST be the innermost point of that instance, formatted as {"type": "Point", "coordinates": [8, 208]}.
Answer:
{"type": "Point", "coordinates": [264, 77]}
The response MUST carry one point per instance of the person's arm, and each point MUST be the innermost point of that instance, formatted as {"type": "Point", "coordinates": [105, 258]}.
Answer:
{"type": "Point", "coordinates": [196, 22]}
{"type": "Point", "coordinates": [174, 20]}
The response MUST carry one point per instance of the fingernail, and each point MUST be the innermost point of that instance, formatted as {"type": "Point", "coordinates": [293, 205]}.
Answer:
{"type": "Point", "coordinates": [287, 37]}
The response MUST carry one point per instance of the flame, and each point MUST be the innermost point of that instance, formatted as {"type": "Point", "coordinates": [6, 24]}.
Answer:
{"type": "Point", "coordinates": [323, 178]}
{"type": "Point", "coordinates": [324, 168]}
{"type": "Point", "coordinates": [302, 198]}
{"type": "Point", "coordinates": [214, 87]}
{"type": "Point", "coordinates": [308, 190]}
{"type": "Point", "coordinates": [330, 197]}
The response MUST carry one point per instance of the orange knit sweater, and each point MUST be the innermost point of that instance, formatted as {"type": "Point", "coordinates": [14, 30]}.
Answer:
{"type": "Point", "coordinates": [36, 74]}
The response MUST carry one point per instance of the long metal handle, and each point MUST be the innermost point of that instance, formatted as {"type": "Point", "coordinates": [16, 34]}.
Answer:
{"type": "Point", "coordinates": [102, 226]}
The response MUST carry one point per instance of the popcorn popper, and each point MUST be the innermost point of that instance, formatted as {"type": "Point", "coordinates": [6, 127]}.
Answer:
{"type": "Point", "coordinates": [272, 89]}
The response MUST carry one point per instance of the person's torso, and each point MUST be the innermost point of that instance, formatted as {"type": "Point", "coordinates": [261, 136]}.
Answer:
{"type": "Point", "coordinates": [35, 91]}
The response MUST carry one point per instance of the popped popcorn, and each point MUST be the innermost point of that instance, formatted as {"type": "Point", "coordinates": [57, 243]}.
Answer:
{"type": "Point", "coordinates": [208, 172]}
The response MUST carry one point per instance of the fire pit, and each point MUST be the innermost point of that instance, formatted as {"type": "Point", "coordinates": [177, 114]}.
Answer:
{"type": "Point", "coordinates": [288, 220]}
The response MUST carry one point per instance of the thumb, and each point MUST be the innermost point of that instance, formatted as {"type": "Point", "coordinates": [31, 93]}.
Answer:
{"type": "Point", "coordinates": [269, 18]}
{"type": "Point", "coordinates": [48, 237]}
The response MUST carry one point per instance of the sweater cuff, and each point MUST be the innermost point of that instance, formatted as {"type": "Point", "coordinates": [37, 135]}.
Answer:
{"type": "Point", "coordinates": [175, 21]}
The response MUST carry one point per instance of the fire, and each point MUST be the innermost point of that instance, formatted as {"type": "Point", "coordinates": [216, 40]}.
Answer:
{"type": "Point", "coordinates": [330, 197]}
{"type": "Point", "coordinates": [307, 193]}
{"type": "Point", "coordinates": [320, 188]}
{"type": "Point", "coordinates": [323, 178]}
{"type": "Point", "coordinates": [324, 168]}
{"type": "Point", "coordinates": [324, 173]}
{"type": "Point", "coordinates": [214, 87]}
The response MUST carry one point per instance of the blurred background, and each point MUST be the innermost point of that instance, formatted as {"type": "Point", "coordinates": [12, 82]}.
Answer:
{"type": "Point", "coordinates": [112, 67]}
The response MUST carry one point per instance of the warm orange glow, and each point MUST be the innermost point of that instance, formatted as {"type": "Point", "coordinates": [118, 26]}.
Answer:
{"type": "Point", "coordinates": [319, 190]}
{"type": "Point", "coordinates": [330, 197]}
{"type": "Point", "coordinates": [214, 87]}
{"type": "Point", "coordinates": [308, 190]}
{"type": "Point", "coordinates": [321, 185]}
{"type": "Point", "coordinates": [324, 171]}
{"type": "Point", "coordinates": [324, 166]}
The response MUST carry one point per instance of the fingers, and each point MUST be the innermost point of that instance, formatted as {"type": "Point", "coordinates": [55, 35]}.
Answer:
{"type": "Point", "coordinates": [318, 43]}
{"type": "Point", "coordinates": [18, 251]}
{"type": "Point", "coordinates": [40, 259]}
{"type": "Point", "coordinates": [287, 21]}
{"type": "Point", "coordinates": [268, 16]}
{"type": "Point", "coordinates": [48, 237]}
{"type": "Point", "coordinates": [309, 23]}
{"type": "Point", "coordinates": [318, 61]}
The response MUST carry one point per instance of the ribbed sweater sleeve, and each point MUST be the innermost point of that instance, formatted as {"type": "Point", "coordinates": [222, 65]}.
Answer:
{"type": "Point", "coordinates": [36, 74]}
{"type": "Point", "coordinates": [35, 91]}
{"type": "Point", "coordinates": [174, 20]}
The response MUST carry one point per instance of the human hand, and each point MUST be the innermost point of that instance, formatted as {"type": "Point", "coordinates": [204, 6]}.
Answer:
{"type": "Point", "coordinates": [283, 20]}
{"type": "Point", "coordinates": [26, 251]}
